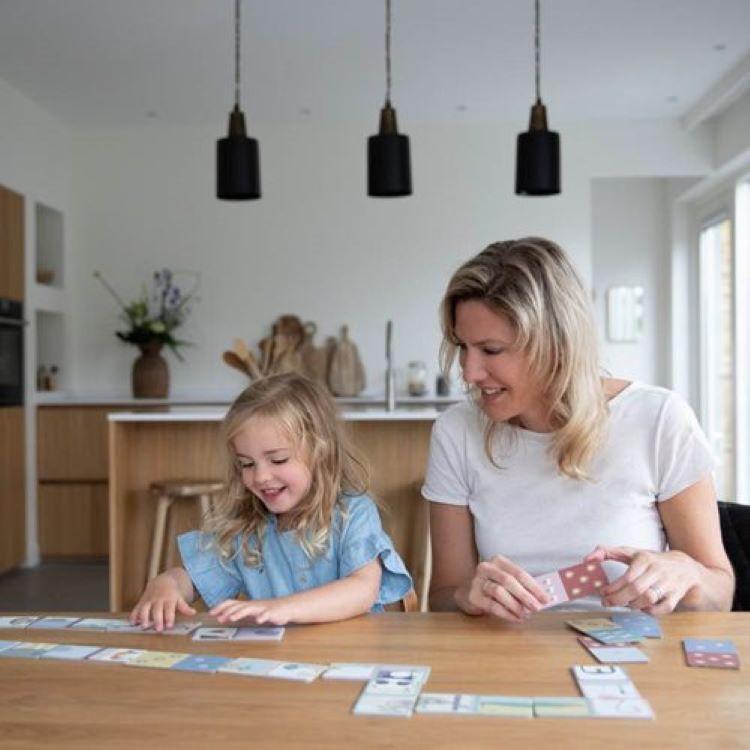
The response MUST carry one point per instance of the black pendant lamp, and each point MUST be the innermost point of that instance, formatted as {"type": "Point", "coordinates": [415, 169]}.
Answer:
{"type": "Point", "coordinates": [538, 149]}
{"type": "Point", "coordinates": [388, 160]}
{"type": "Point", "coordinates": [237, 156]}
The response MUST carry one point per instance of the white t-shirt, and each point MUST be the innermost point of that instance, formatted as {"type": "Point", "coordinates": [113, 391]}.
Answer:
{"type": "Point", "coordinates": [542, 520]}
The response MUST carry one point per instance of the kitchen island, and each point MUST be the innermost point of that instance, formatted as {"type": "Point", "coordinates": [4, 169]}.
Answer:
{"type": "Point", "coordinates": [183, 443]}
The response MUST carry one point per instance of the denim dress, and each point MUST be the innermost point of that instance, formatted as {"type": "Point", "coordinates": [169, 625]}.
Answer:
{"type": "Point", "coordinates": [356, 538]}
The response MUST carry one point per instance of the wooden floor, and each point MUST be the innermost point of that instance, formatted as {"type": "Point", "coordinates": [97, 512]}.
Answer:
{"type": "Point", "coordinates": [56, 587]}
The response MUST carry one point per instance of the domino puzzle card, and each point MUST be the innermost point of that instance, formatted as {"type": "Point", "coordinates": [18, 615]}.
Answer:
{"type": "Point", "coordinates": [716, 653]}
{"type": "Point", "coordinates": [250, 667]}
{"type": "Point", "coordinates": [568, 584]}
{"type": "Point", "coordinates": [117, 655]}
{"type": "Point", "coordinates": [397, 680]}
{"type": "Point", "coordinates": [22, 621]}
{"type": "Point", "coordinates": [561, 708]}
{"type": "Point", "coordinates": [157, 659]}
{"type": "Point", "coordinates": [603, 630]}
{"type": "Point", "coordinates": [612, 653]}
{"type": "Point", "coordinates": [505, 705]}
{"type": "Point", "coordinates": [610, 692]}
{"type": "Point", "coordinates": [257, 633]}
{"type": "Point", "coordinates": [5, 645]}
{"type": "Point", "coordinates": [70, 652]}
{"type": "Point", "coordinates": [297, 671]}
{"type": "Point", "coordinates": [447, 703]}
{"type": "Point", "coordinates": [200, 663]}
{"type": "Point", "coordinates": [384, 705]}
{"type": "Point", "coordinates": [23, 650]}
{"type": "Point", "coordinates": [350, 671]}
{"type": "Point", "coordinates": [638, 623]}
{"type": "Point", "coordinates": [53, 623]}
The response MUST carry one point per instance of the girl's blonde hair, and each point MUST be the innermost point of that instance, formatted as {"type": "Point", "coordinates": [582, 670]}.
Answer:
{"type": "Point", "coordinates": [306, 414]}
{"type": "Point", "coordinates": [532, 283]}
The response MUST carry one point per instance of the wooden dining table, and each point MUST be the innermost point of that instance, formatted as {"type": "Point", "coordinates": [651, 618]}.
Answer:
{"type": "Point", "coordinates": [76, 705]}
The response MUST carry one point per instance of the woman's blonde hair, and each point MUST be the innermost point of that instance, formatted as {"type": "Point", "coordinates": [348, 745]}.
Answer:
{"type": "Point", "coordinates": [306, 414]}
{"type": "Point", "coordinates": [532, 283]}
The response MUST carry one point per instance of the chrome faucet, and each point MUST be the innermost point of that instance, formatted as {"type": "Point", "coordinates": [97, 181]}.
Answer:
{"type": "Point", "coordinates": [390, 385]}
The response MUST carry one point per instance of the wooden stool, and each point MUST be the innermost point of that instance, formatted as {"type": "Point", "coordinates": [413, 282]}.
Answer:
{"type": "Point", "coordinates": [167, 492]}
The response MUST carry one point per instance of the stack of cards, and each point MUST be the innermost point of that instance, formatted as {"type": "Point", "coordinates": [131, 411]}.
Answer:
{"type": "Point", "coordinates": [719, 653]}
{"type": "Point", "coordinates": [392, 691]}
{"type": "Point", "coordinates": [610, 693]}
{"type": "Point", "coordinates": [638, 623]}
{"type": "Point", "coordinates": [613, 653]}
{"type": "Point", "coordinates": [477, 705]}
{"type": "Point", "coordinates": [603, 630]}
{"type": "Point", "coordinates": [259, 633]}
{"type": "Point", "coordinates": [567, 584]}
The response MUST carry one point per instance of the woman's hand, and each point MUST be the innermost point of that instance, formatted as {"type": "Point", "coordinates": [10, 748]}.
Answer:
{"type": "Point", "coordinates": [500, 588]}
{"type": "Point", "coordinates": [160, 601]}
{"type": "Point", "coordinates": [654, 582]}
{"type": "Point", "coordinates": [259, 611]}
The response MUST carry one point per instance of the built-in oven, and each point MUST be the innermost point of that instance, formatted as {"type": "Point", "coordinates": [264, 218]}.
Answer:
{"type": "Point", "coordinates": [11, 352]}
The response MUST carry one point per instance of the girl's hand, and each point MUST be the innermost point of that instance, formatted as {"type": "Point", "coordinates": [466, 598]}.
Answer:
{"type": "Point", "coordinates": [500, 588]}
{"type": "Point", "coordinates": [259, 611]}
{"type": "Point", "coordinates": [654, 582]}
{"type": "Point", "coordinates": [159, 602]}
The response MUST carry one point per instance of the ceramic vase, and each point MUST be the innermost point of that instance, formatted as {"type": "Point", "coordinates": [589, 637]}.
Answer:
{"type": "Point", "coordinates": [150, 377]}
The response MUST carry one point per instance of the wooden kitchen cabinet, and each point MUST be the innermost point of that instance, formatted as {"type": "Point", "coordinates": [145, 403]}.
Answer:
{"type": "Point", "coordinates": [72, 473]}
{"type": "Point", "coordinates": [12, 488]}
{"type": "Point", "coordinates": [11, 245]}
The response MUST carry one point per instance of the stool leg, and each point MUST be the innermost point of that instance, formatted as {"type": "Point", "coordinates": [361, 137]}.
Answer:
{"type": "Point", "coordinates": [157, 540]}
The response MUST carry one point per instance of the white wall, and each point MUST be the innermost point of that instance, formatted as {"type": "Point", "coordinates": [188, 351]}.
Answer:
{"type": "Point", "coordinates": [630, 238]}
{"type": "Point", "coordinates": [315, 245]}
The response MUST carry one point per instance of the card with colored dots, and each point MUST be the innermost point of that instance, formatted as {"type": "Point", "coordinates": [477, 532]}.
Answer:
{"type": "Point", "coordinates": [568, 584]}
{"type": "Point", "coordinates": [715, 653]}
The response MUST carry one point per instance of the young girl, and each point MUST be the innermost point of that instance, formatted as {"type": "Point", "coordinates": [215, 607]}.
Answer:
{"type": "Point", "coordinates": [293, 531]}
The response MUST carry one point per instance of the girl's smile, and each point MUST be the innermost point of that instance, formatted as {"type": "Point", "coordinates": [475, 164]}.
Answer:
{"type": "Point", "coordinates": [271, 466]}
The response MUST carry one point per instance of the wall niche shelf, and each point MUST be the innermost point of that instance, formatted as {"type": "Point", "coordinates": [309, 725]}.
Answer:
{"type": "Point", "coordinates": [50, 249]}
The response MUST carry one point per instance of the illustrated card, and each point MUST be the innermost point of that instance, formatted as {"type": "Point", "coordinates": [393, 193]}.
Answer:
{"type": "Point", "coordinates": [604, 631]}
{"type": "Point", "coordinates": [260, 633]}
{"type": "Point", "coordinates": [349, 671]}
{"type": "Point", "coordinates": [200, 663]}
{"type": "Point", "coordinates": [24, 650]}
{"type": "Point", "coordinates": [397, 680]}
{"type": "Point", "coordinates": [5, 645]}
{"type": "Point", "coordinates": [447, 703]}
{"type": "Point", "coordinates": [214, 634]}
{"type": "Point", "coordinates": [383, 705]}
{"type": "Point", "coordinates": [183, 627]}
{"type": "Point", "coordinates": [71, 652]}
{"type": "Point", "coordinates": [250, 667]}
{"type": "Point", "coordinates": [91, 623]}
{"type": "Point", "coordinates": [613, 653]}
{"type": "Point", "coordinates": [117, 655]}
{"type": "Point", "coordinates": [715, 653]}
{"type": "Point", "coordinates": [621, 708]}
{"type": "Point", "coordinates": [157, 659]}
{"type": "Point", "coordinates": [297, 671]}
{"type": "Point", "coordinates": [22, 621]}
{"type": "Point", "coordinates": [53, 623]}
{"type": "Point", "coordinates": [638, 623]}
{"type": "Point", "coordinates": [505, 705]}
{"type": "Point", "coordinates": [561, 708]}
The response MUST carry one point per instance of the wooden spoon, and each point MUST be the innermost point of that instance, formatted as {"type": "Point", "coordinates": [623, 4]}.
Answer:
{"type": "Point", "coordinates": [234, 361]}
{"type": "Point", "coordinates": [240, 348]}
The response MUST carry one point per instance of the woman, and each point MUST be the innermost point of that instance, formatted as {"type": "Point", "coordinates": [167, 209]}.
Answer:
{"type": "Point", "coordinates": [549, 461]}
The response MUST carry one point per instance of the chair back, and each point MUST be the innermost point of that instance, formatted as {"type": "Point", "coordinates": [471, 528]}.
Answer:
{"type": "Point", "coordinates": [735, 533]}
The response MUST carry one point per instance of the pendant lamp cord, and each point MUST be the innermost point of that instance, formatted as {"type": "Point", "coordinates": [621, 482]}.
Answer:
{"type": "Point", "coordinates": [388, 52]}
{"type": "Point", "coordinates": [536, 48]}
{"type": "Point", "coordinates": [237, 53]}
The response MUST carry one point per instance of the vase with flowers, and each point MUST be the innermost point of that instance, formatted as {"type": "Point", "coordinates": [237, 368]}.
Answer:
{"type": "Point", "coordinates": [151, 320]}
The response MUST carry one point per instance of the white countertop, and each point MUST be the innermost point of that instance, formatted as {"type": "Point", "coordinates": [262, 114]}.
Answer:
{"type": "Point", "coordinates": [351, 413]}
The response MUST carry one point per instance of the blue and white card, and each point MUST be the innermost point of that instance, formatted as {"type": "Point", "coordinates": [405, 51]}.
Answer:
{"type": "Point", "coordinates": [639, 623]}
{"type": "Point", "coordinates": [53, 623]}
{"type": "Point", "coordinates": [71, 651]}
{"type": "Point", "coordinates": [201, 663]}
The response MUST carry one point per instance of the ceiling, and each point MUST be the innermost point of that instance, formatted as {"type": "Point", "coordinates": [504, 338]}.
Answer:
{"type": "Point", "coordinates": [102, 63]}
